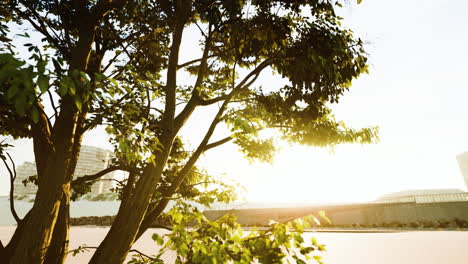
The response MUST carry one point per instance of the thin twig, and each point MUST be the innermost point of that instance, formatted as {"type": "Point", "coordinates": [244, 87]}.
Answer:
{"type": "Point", "coordinates": [52, 103]}
{"type": "Point", "coordinates": [12, 188]}
{"type": "Point", "coordinates": [143, 254]}
{"type": "Point", "coordinates": [131, 250]}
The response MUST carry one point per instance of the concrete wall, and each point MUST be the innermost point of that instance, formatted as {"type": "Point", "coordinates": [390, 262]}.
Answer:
{"type": "Point", "coordinates": [355, 214]}
{"type": "Point", "coordinates": [398, 212]}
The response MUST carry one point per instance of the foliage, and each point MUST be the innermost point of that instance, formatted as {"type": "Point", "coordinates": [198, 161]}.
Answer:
{"type": "Point", "coordinates": [4, 146]}
{"type": "Point", "coordinates": [224, 241]}
{"type": "Point", "coordinates": [115, 65]}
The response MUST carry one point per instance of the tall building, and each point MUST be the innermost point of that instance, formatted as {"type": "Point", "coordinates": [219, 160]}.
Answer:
{"type": "Point", "coordinates": [91, 160]}
{"type": "Point", "coordinates": [23, 172]}
{"type": "Point", "coordinates": [463, 164]}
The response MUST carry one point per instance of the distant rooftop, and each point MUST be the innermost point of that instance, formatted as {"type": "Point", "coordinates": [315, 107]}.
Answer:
{"type": "Point", "coordinates": [419, 192]}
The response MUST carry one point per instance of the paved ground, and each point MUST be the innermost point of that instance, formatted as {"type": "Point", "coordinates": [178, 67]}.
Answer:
{"type": "Point", "coordinates": [425, 247]}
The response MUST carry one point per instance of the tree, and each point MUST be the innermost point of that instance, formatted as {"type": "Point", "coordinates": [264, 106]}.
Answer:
{"type": "Point", "coordinates": [115, 63]}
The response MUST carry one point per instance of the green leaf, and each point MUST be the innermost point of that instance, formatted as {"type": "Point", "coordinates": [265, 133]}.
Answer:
{"type": "Point", "coordinates": [84, 76]}
{"type": "Point", "coordinates": [318, 259]}
{"type": "Point", "coordinates": [322, 214]}
{"type": "Point", "coordinates": [72, 88]}
{"type": "Point", "coordinates": [34, 114]}
{"type": "Point", "coordinates": [43, 83]}
{"type": "Point", "coordinates": [114, 82]}
{"type": "Point", "coordinates": [12, 91]}
{"type": "Point", "coordinates": [57, 65]}
{"type": "Point", "coordinates": [159, 240]}
{"type": "Point", "coordinates": [78, 103]}
{"type": "Point", "coordinates": [359, 1]}
{"type": "Point", "coordinates": [41, 65]}
{"type": "Point", "coordinates": [20, 104]}
{"type": "Point", "coordinates": [300, 261]}
{"type": "Point", "coordinates": [63, 85]}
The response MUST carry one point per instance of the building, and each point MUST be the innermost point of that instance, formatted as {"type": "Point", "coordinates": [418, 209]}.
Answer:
{"type": "Point", "coordinates": [424, 208]}
{"type": "Point", "coordinates": [463, 164]}
{"type": "Point", "coordinates": [425, 196]}
{"type": "Point", "coordinates": [23, 172]}
{"type": "Point", "coordinates": [432, 195]}
{"type": "Point", "coordinates": [91, 160]}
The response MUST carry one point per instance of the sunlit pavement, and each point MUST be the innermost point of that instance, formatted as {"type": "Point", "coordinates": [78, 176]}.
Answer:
{"type": "Point", "coordinates": [415, 247]}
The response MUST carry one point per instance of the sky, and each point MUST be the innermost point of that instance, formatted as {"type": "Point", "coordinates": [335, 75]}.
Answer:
{"type": "Point", "coordinates": [416, 92]}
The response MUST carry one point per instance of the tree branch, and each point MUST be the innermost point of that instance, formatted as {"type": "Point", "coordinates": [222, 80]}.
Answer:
{"type": "Point", "coordinates": [171, 83]}
{"type": "Point", "coordinates": [157, 110]}
{"type": "Point", "coordinates": [195, 97]}
{"type": "Point", "coordinates": [217, 143]}
{"type": "Point", "coordinates": [104, 6]}
{"type": "Point", "coordinates": [154, 213]}
{"type": "Point", "coordinates": [52, 103]}
{"type": "Point", "coordinates": [124, 48]}
{"type": "Point", "coordinates": [213, 100]}
{"type": "Point", "coordinates": [188, 63]}
{"type": "Point", "coordinates": [144, 255]}
{"type": "Point", "coordinates": [80, 248]}
{"type": "Point", "coordinates": [128, 188]}
{"type": "Point", "coordinates": [162, 227]}
{"type": "Point", "coordinates": [42, 138]}
{"type": "Point", "coordinates": [98, 175]}
{"type": "Point", "coordinates": [40, 27]}
{"type": "Point", "coordinates": [12, 187]}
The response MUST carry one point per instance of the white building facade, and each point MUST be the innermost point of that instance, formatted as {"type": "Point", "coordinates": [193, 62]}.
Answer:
{"type": "Point", "coordinates": [425, 196]}
{"type": "Point", "coordinates": [463, 164]}
{"type": "Point", "coordinates": [23, 172]}
{"type": "Point", "coordinates": [91, 160]}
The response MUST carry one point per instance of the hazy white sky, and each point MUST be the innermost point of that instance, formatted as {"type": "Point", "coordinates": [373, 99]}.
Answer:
{"type": "Point", "coordinates": [416, 92]}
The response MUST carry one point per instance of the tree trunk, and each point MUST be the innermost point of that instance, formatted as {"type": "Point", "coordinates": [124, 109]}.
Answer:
{"type": "Point", "coordinates": [43, 235]}
{"type": "Point", "coordinates": [15, 238]}
{"type": "Point", "coordinates": [117, 243]}
{"type": "Point", "coordinates": [120, 238]}
{"type": "Point", "coordinates": [58, 248]}
{"type": "Point", "coordinates": [36, 231]}
{"type": "Point", "coordinates": [3, 252]}
{"type": "Point", "coordinates": [150, 217]}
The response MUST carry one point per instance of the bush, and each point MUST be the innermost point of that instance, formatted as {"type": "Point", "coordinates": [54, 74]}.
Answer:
{"type": "Point", "coordinates": [460, 223]}
{"type": "Point", "coordinates": [223, 241]}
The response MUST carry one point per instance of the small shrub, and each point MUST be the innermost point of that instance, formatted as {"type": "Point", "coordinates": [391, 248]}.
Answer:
{"type": "Point", "coordinates": [223, 241]}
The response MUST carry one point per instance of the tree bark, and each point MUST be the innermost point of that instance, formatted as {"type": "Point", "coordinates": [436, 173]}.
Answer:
{"type": "Point", "coordinates": [43, 235]}
{"type": "Point", "coordinates": [117, 243]}
{"type": "Point", "coordinates": [120, 238]}
{"type": "Point", "coordinates": [37, 230]}
{"type": "Point", "coordinates": [3, 252]}
{"type": "Point", "coordinates": [58, 248]}
{"type": "Point", "coordinates": [37, 234]}
{"type": "Point", "coordinates": [150, 217]}
{"type": "Point", "coordinates": [15, 238]}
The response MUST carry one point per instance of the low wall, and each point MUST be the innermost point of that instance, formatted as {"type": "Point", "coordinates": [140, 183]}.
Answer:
{"type": "Point", "coordinates": [364, 214]}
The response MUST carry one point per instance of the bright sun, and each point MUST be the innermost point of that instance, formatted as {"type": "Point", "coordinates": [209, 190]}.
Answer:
{"type": "Point", "coordinates": [298, 174]}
